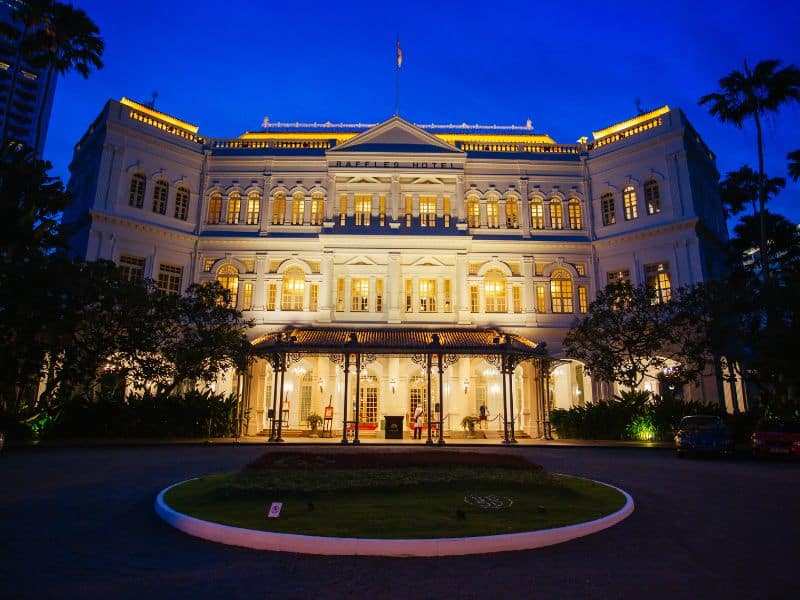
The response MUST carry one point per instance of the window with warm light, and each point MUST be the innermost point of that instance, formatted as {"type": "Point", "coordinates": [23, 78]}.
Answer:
{"type": "Point", "coordinates": [379, 295]}
{"type": "Point", "coordinates": [247, 295]}
{"type": "Point", "coordinates": [409, 292]}
{"type": "Point", "coordinates": [182, 203]}
{"type": "Point", "coordinates": [317, 209]}
{"type": "Point", "coordinates": [657, 279]}
{"type": "Point", "coordinates": [363, 207]}
{"type": "Point", "coordinates": [652, 197]}
{"type": "Point", "coordinates": [409, 209]}
{"type": "Point", "coordinates": [574, 214]}
{"type": "Point", "coordinates": [512, 213]}
{"type": "Point", "coordinates": [253, 208]}
{"type": "Point", "coordinates": [446, 211]}
{"type": "Point", "coordinates": [494, 291]}
{"type": "Point", "coordinates": [537, 214]}
{"type": "Point", "coordinates": [608, 209]}
{"type": "Point", "coordinates": [492, 212]}
{"type": "Point", "coordinates": [215, 208]}
{"type": "Point", "coordinates": [427, 295]}
{"type": "Point", "coordinates": [516, 298]}
{"type": "Point", "coordinates": [474, 299]}
{"type": "Point", "coordinates": [228, 277]}
{"type": "Point", "coordinates": [136, 191]}
{"type": "Point", "coordinates": [359, 295]}
{"type": "Point", "coordinates": [340, 294]}
{"type": "Point", "coordinates": [629, 203]}
{"type": "Point", "coordinates": [473, 212]}
{"type": "Point", "coordinates": [556, 214]}
{"type": "Point", "coordinates": [541, 300]}
{"type": "Point", "coordinates": [298, 208]}
{"type": "Point", "coordinates": [293, 289]}
{"type": "Point", "coordinates": [448, 296]}
{"type": "Point", "coordinates": [234, 207]}
{"type": "Point", "coordinates": [160, 193]}
{"type": "Point", "coordinates": [382, 210]}
{"type": "Point", "coordinates": [621, 276]}
{"type": "Point", "coordinates": [427, 211]}
{"type": "Point", "coordinates": [278, 208]}
{"type": "Point", "coordinates": [561, 291]}
{"type": "Point", "coordinates": [272, 296]}
{"type": "Point", "coordinates": [583, 299]}
{"type": "Point", "coordinates": [313, 297]}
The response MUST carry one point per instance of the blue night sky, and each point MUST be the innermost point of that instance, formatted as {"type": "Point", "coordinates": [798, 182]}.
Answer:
{"type": "Point", "coordinates": [571, 67]}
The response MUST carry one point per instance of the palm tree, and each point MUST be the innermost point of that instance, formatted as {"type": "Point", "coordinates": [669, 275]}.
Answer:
{"type": "Point", "coordinates": [754, 94]}
{"type": "Point", "coordinates": [55, 37]}
{"type": "Point", "coordinates": [742, 186]}
{"type": "Point", "coordinates": [794, 164]}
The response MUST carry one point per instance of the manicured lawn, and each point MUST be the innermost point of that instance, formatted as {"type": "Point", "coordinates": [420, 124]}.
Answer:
{"type": "Point", "coordinates": [399, 502]}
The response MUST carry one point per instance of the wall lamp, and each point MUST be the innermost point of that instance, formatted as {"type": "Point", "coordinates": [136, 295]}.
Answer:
{"type": "Point", "coordinates": [321, 384]}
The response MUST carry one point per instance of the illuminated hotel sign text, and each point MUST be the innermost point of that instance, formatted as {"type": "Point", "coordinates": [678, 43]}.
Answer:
{"type": "Point", "coordinates": [393, 164]}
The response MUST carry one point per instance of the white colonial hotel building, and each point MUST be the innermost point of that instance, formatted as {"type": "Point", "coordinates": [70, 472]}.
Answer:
{"type": "Point", "coordinates": [398, 231]}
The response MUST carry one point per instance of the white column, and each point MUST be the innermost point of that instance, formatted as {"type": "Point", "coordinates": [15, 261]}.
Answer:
{"type": "Point", "coordinates": [327, 288]}
{"type": "Point", "coordinates": [393, 288]}
{"type": "Point", "coordinates": [259, 293]}
{"type": "Point", "coordinates": [461, 290]}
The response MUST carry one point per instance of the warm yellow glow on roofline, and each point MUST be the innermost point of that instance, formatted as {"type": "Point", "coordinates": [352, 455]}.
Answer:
{"type": "Point", "coordinates": [300, 135]}
{"type": "Point", "coordinates": [630, 122]}
{"type": "Point", "coordinates": [159, 115]}
{"type": "Point", "coordinates": [450, 138]}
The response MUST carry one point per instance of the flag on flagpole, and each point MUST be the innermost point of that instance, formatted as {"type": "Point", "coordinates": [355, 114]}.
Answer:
{"type": "Point", "coordinates": [399, 54]}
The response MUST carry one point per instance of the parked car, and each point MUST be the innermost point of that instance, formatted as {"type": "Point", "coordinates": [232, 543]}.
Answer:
{"type": "Point", "coordinates": [703, 434]}
{"type": "Point", "coordinates": [777, 437]}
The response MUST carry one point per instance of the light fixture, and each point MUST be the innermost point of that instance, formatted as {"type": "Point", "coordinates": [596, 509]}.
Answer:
{"type": "Point", "coordinates": [321, 384]}
{"type": "Point", "coordinates": [299, 371]}
{"type": "Point", "coordinates": [393, 383]}
{"type": "Point", "coordinates": [466, 386]}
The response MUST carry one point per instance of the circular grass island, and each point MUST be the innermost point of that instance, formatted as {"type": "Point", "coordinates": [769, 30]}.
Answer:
{"type": "Point", "coordinates": [393, 502]}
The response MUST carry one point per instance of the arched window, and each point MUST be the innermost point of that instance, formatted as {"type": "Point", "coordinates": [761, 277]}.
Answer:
{"type": "Point", "coordinates": [652, 196]}
{"type": "Point", "coordinates": [294, 287]}
{"type": "Point", "coordinates": [182, 203]}
{"type": "Point", "coordinates": [317, 208]}
{"type": "Point", "coordinates": [492, 212]}
{"type": "Point", "coordinates": [494, 291]}
{"type": "Point", "coordinates": [473, 211]}
{"type": "Point", "coordinates": [298, 208]}
{"type": "Point", "coordinates": [561, 291]}
{"type": "Point", "coordinates": [608, 209]}
{"type": "Point", "coordinates": [278, 208]}
{"type": "Point", "coordinates": [228, 277]}
{"type": "Point", "coordinates": [512, 213]}
{"type": "Point", "coordinates": [253, 208]}
{"type": "Point", "coordinates": [160, 194]}
{"type": "Point", "coordinates": [574, 214]}
{"type": "Point", "coordinates": [537, 213]}
{"type": "Point", "coordinates": [556, 214]}
{"type": "Point", "coordinates": [234, 208]}
{"type": "Point", "coordinates": [136, 193]}
{"type": "Point", "coordinates": [629, 203]}
{"type": "Point", "coordinates": [215, 208]}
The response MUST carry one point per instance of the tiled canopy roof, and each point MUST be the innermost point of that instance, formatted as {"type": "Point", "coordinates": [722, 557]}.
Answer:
{"type": "Point", "coordinates": [313, 340]}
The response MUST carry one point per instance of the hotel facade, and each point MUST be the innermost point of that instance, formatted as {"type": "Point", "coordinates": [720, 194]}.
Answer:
{"type": "Point", "coordinates": [440, 265]}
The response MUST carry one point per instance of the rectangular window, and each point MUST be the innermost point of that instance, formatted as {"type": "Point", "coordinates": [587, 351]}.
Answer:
{"type": "Point", "coordinates": [181, 203]}
{"type": "Point", "coordinates": [253, 209]}
{"type": "Point", "coordinates": [234, 208]}
{"type": "Point", "coordinates": [427, 211]}
{"type": "Point", "coordinates": [382, 210]}
{"type": "Point", "coordinates": [272, 295]}
{"type": "Point", "coordinates": [298, 209]}
{"type": "Point", "coordinates": [247, 295]}
{"type": "Point", "coordinates": [630, 204]}
{"type": "Point", "coordinates": [580, 268]}
{"type": "Point", "coordinates": [359, 295]}
{"type": "Point", "coordinates": [363, 209]}
{"type": "Point", "coordinates": [427, 295]}
{"type": "Point", "coordinates": [313, 297]}
{"type": "Point", "coordinates": [652, 197]}
{"type": "Point", "coordinates": [446, 211]}
{"type": "Point", "coordinates": [537, 215]}
{"type": "Point", "coordinates": [317, 209]}
{"type": "Point", "coordinates": [132, 267]}
{"type": "Point", "coordinates": [541, 303]}
{"type": "Point", "coordinates": [556, 215]}
{"type": "Point", "coordinates": [448, 296]}
{"type": "Point", "coordinates": [575, 216]}
{"type": "Point", "coordinates": [608, 209]}
{"type": "Point", "coordinates": [278, 208]}
{"type": "Point", "coordinates": [136, 193]}
{"type": "Point", "coordinates": [512, 214]}
{"type": "Point", "coordinates": [160, 197]}
{"type": "Point", "coordinates": [409, 208]}
{"type": "Point", "coordinates": [658, 279]}
{"type": "Point", "coordinates": [493, 214]}
{"type": "Point", "coordinates": [583, 299]}
{"type": "Point", "coordinates": [622, 276]}
{"type": "Point", "coordinates": [409, 285]}
{"type": "Point", "coordinates": [343, 210]}
{"type": "Point", "coordinates": [474, 299]}
{"type": "Point", "coordinates": [169, 278]}
{"type": "Point", "coordinates": [516, 298]}
{"type": "Point", "coordinates": [208, 264]}
{"type": "Point", "coordinates": [340, 294]}
{"type": "Point", "coordinates": [379, 295]}
{"type": "Point", "coordinates": [474, 213]}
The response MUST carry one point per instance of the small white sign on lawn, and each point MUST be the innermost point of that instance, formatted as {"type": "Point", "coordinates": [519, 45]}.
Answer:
{"type": "Point", "coordinates": [275, 510]}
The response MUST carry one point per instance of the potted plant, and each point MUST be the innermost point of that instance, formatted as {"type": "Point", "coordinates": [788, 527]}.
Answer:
{"type": "Point", "coordinates": [314, 421]}
{"type": "Point", "coordinates": [468, 423]}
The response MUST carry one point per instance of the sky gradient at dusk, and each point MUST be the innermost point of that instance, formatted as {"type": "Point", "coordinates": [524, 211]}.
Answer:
{"type": "Point", "coordinates": [570, 67]}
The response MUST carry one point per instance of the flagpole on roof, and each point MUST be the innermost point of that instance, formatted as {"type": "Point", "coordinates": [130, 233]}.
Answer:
{"type": "Point", "coordinates": [397, 78]}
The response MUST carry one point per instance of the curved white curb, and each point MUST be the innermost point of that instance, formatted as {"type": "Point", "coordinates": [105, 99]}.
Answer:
{"type": "Point", "coordinates": [308, 544]}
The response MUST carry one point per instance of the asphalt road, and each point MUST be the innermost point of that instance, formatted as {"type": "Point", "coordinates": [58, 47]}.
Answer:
{"type": "Point", "coordinates": [79, 523]}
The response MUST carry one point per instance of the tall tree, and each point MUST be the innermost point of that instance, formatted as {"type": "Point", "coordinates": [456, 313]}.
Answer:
{"type": "Point", "coordinates": [742, 187]}
{"type": "Point", "coordinates": [55, 37]}
{"type": "Point", "coordinates": [794, 164]}
{"type": "Point", "coordinates": [753, 94]}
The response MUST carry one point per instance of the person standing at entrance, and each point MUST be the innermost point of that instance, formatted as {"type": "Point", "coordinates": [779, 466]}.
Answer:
{"type": "Point", "coordinates": [418, 422]}
{"type": "Point", "coordinates": [483, 413]}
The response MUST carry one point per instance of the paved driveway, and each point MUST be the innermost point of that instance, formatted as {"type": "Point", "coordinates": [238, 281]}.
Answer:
{"type": "Point", "coordinates": [79, 523]}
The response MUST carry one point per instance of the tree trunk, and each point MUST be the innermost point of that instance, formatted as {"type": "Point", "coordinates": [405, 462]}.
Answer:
{"type": "Point", "coordinates": [13, 86]}
{"type": "Point", "coordinates": [762, 200]}
{"type": "Point", "coordinates": [40, 116]}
